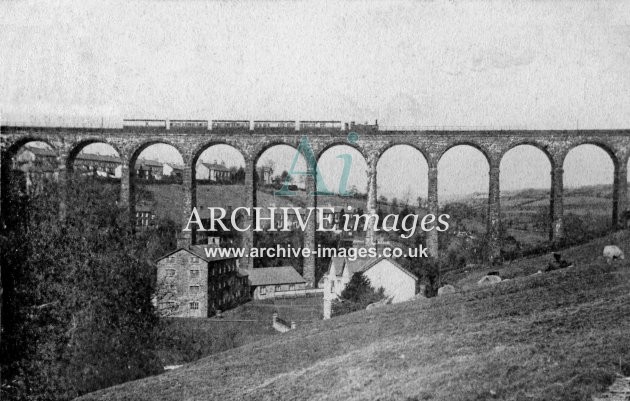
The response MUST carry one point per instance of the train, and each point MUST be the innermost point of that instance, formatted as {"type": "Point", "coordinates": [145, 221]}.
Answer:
{"type": "Point", "coordinates": [166, 124]}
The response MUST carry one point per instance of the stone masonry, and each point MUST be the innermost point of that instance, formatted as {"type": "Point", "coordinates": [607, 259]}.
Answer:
{"type": "Point", "coordinates": [371, 143]}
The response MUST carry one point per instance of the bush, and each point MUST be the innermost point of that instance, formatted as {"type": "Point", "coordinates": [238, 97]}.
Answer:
{"type": "Point", "coordinates": [357, 295]}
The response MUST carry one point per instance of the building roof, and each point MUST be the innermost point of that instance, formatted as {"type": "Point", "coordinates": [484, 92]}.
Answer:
{"type": "Point", "coordinates": [199, 251]}
{"type": "Point", "coordinates": [175, 166]}
{"type": "Point", "coordinates": [353, 266]}
{"type": "Point", "coordinates": [41, 151]}
{"type": "Point", "coordinates": [216, 166]}
{"type": "Point", "coordinates": [143, 207]}
{"type": "Point", "coordinates": [146, 162]}
{"type": "Point", "coordinates": [361, 265]}
{"type": "Point", "coordinates": [275, 275]}
{"type": "Point", "coordinates": [100, 158]}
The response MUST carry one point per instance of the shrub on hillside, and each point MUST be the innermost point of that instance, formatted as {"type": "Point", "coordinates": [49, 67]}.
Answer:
{"type": "Point", "coordinates": [357, 295]}
{"type": "Point", "coordinates": [429, 273]}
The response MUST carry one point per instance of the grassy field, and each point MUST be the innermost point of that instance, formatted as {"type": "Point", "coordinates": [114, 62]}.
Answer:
{"type": "Point", "coordinates": [183, 340]}
{"type": "Point", "coordinates": [297, 309]}
{"type": "Point", "coordinates": [169, 198]}
{"type": "Point", "coordinates": [562, 335]}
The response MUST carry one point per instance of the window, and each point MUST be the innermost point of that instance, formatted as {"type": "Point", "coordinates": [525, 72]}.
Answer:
{"type": "Point", "coordinates": [194, 259]}
{"type": "Point", "coordinates": [170, 272]}
{"type": "Point", "coordinates": [292, 287]}
{"type": "Point", "coordinates": [194, 289]}
{"type": "Point", "coordinates": [194, 305]}
{"type": "Point", "coordinates": [278, 288]}
{"type": "Point", "coordinates": [172, 305]}
{"type": "Point", "coordinates": [194, 274]}
{"type": "Point", "coordinates": [332, 287]}
{"type": "Point", "coordinates": [263, 290]}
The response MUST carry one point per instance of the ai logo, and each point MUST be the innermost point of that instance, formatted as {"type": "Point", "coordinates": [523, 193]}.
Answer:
{"type": "Point", "coordinates": [312, 170]}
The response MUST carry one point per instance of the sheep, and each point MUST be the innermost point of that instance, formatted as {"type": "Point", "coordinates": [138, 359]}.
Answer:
{"type": "Point", "coordinates": [612, 252]}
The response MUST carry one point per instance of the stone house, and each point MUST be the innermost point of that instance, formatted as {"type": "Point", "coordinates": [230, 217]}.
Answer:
{"type": "Point", "coordinates": [333, 218]}
{"type": "Point", "coordinates": [100, 165]}
{"type": "Point", "coordinates": [34, 165]}
{"type": "Point", "coordinates": [213, 172]}
{"type": "Point", "coordinates": [265, 175]}
{"type": "Point", "coordinates": [397, 282]}
{"type": "Point", "coordinates": [145, 216]}
{"type": "Point", "coordinates": [149, 169]}
{"type": "Point", "coordinates": [173, 170]}
{"type": "Point", "coordinates": [191, 284]}
{"type": "Point", "coordinates": [276, 282]}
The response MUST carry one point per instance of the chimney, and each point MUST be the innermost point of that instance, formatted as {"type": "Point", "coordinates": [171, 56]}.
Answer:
{"type": "Point", "coordinates": [183, 240]}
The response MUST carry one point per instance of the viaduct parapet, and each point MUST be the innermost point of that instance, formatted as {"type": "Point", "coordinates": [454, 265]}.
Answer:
{"type": "Point", "coordinates": [371, 143]}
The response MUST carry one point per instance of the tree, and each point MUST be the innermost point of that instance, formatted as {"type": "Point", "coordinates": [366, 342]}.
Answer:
{"type": "Point", "coordinates": [407, 197]}
{"type": "Point", "coordinates": [238, 175]}
{"type": "Point", "coordinates": [77, 306]}
{"type": "Point", "coordinates": [283, 239]}
{"type": "Point", "coordinates": [284, 177]}
{"type": "Point", "coordinates": [428, 271]}
{"type": "Point", "coordinates": [357, 295]}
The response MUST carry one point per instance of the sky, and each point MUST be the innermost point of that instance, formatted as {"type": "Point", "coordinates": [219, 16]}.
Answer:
{"type": "Point", "coordinates": [491, 64]}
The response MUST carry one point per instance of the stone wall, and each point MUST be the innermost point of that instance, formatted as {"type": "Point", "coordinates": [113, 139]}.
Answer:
{"type": "Point", "coordinates": [177, 288]}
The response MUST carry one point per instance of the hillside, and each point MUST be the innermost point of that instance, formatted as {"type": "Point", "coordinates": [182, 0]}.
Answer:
{"type": "Point", "coordinates": [525, 212]}
{"type": "Point", "coordinates": [168, 198]}
{"type": "Point", "coordinates": [561, 335]}
{"type": "Point", "coordinates": [183, 340]}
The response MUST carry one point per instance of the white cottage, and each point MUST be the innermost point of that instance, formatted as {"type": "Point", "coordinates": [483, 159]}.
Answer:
{"type": "Point", "coordinates": [397, 282]}
{"type": "Point", "coordinates": [213, 172]}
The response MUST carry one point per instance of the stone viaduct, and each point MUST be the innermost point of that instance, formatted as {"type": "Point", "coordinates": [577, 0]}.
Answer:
{"type": "Point", "coordinates": [371, 143]}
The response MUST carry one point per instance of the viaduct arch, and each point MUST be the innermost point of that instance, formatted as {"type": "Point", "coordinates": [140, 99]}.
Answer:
{"type": "Point", "coordinates": [371, 143]}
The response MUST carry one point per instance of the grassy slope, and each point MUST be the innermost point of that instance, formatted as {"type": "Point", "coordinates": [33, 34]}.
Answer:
{"type": "Point", "coordinates": [187, 339]}
{"type": "Point", "coordinates": [169, 198]}
{"type": "Point", "coordinates": [557, 336]}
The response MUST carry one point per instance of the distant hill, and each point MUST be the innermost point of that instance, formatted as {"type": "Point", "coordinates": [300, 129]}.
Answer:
{"type": "Point", "coordinates": [168, 198]}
